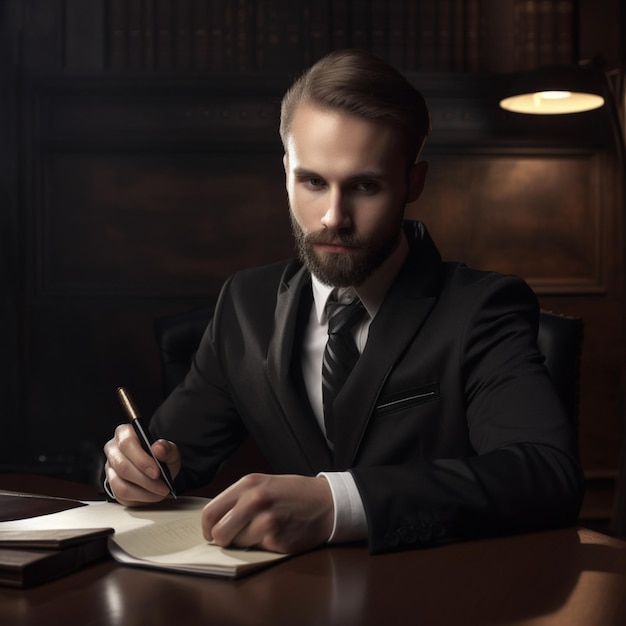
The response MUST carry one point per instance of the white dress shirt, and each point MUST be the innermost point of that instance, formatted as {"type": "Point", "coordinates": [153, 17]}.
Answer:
{"type": "Point", "coordinates": [349, 517]}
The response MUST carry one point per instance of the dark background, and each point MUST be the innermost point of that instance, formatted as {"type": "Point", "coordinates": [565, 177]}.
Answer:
{"type": "Point", "coordinates": [140, 165]}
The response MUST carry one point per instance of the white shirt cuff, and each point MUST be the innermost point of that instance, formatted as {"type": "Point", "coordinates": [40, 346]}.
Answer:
{"type": "Point", "coordinates": [350, 523]}
{"type": "Point", "coordinates": [108, 490]}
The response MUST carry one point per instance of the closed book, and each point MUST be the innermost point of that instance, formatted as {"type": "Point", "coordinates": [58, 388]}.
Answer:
{"type": "Point", "coordinates": [472, 36]}
{"type": "Point", "coordinates": [164, 41]}
{"type": "Point", "coordinates": [135, 35]}
{"type": "Point", "coordinates": [340, 23]}
{"type": "Point", "coordinates": [565, 26]}
{"type": "Point", "coordinates": [201, 34]}
{"type": "Point", "coordinates": [183, 34]}
{"type": "Point", "coordinates": [379, 28]}
{"type": "Point", "coordinates": [546, 40]}
{"type": "Point", "coordinates": [117, 35]}
{"type": "Point", "coordinates": [397, 41]}
{"type": "Point", "coordinates": [427, 40]}
{"type": "Point", "coordinates": [317, 25]}
{"type": "Point", "coordinates": [244, 22]}
{"type": "Point", "coordinates": [51, 538]}
{"type": "Point", "coordinates": [457, 42]}
{"type": "Point", "coordinates": [443, 36]}
{"type": "Point", "coordinates": [29, 558]}
{"type": "Point", "coordinates": [526, 15]}
{"type": "Point", "coordinates": [148, 25]}
{"type": "Point", "coordinates": [412, 36]}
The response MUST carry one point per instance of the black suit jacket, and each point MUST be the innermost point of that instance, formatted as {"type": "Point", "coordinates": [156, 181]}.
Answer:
{"type": "Point", "coordinates": [448, 422]}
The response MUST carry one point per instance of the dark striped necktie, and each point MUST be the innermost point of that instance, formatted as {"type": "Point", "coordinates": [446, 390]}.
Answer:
{"type": "Point", "coordinates": [340, 354]}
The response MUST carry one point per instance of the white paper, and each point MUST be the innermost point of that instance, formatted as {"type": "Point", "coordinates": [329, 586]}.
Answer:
{"type": "Point", "coordinates": [167, 535]}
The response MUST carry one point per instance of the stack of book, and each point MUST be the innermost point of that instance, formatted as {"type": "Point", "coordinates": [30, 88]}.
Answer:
{"type": "Point", "coordinates": [29, 557]}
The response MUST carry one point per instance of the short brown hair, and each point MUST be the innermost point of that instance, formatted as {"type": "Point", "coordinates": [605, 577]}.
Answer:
{"type": "Point", "coordinates": [357, 82]}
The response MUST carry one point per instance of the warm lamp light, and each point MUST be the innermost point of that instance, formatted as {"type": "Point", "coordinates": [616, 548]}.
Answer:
{"type": "Point", "coordinates": [552, 102]}
{"type": "Point", "coordinates": [555, 91]}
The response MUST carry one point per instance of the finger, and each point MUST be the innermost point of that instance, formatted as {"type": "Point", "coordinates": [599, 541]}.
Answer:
{"type": "Point", "coordinates": [231, 526]}
{"type": "Point", "coordinates": [232, 510]}
{"type": "Point", "coordinates": [167, 452]}
{"type": "Point", "coordinates": [215, 515]}
{"type": "Point", "coordinates": [261, 531]}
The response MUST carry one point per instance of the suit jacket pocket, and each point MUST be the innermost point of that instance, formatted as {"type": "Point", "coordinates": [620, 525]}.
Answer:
{"type": "Point", "coordinates": [408, 398]}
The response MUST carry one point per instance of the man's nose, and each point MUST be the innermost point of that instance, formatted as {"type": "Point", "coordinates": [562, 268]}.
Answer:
{"type": "Point", "coordinates": [337, 215]}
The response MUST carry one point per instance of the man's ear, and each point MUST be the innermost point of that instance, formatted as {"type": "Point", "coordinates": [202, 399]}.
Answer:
{"type": "Point", "coordinates": [417, 179]}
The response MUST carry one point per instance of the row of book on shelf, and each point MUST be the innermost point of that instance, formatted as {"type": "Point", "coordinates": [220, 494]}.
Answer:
{"type": "Point", "coordinates": [276, 35]}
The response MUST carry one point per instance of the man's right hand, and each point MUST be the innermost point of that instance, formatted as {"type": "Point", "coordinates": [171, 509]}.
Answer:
{"type": "Point", "coordinates": [132, 474]}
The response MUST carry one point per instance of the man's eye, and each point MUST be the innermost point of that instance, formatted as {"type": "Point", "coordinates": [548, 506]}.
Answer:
{"type": "Point", "coordinates": [315, 183]}
{"type": "Point", "coordinates": [367, 186]}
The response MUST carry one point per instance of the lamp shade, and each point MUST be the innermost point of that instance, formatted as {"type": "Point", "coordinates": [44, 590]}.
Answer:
{"type": "Point", "coordinates": [556, 90]}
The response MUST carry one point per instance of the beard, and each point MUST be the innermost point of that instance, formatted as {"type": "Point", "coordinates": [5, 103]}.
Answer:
{"type": "Point", "coordinates": [344, 269]}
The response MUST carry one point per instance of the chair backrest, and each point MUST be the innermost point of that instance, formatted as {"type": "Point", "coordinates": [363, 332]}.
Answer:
{"type": "Point", "coordinates": [560, 341]}
{"type": "Point", "coordinates": [178, 337]}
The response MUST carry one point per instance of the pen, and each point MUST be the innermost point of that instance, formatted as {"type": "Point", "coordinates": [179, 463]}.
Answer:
{"type": "Point", "coordinates": [144, 437]}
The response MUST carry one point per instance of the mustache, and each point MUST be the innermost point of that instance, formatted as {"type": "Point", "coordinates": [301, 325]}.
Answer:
{"type": "Point", "coordinates": [334, 237]}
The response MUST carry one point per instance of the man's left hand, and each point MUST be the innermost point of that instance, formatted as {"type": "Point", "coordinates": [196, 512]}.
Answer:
{"type": "Point", "coordinates": [285, 513]}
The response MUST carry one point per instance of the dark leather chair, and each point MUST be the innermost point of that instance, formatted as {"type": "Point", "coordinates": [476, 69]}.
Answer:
{"type": "Point", "coordinates": [178, 337]}
{"type": "Point", "coordinates": [560, 341]}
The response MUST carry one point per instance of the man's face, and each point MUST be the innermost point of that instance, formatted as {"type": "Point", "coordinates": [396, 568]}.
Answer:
{"type": "Point", "coordinates": [348, 185]}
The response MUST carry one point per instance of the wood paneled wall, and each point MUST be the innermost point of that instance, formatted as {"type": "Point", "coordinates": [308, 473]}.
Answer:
{"type": "Point", "coordinates": [133, 189]}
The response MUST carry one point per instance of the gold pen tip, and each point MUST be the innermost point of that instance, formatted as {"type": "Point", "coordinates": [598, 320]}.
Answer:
{"type": "Point", "coordinates": [127, 403]}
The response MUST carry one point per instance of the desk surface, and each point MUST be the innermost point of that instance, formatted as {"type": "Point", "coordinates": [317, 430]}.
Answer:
{"type": "Point", "coordinates": [570, 577]}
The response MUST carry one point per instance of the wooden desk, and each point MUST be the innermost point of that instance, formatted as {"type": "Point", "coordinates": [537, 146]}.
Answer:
{"type": "Point", "coordinates": [571, 577]}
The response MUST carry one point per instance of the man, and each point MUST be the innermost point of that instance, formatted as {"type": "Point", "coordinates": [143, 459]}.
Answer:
{"type": "Point", "coordinates": [447, 426]}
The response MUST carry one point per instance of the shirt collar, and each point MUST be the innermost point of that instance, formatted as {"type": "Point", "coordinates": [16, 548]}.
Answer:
{"type": "Point", "coordinates": [372, 291]}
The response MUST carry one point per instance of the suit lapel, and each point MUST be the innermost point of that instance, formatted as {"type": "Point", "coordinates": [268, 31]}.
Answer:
{"type": "Point", "coordinates": [357, 400]}
{"type": "Point", "coordinates": [400, 318]}
{"type": "Point", "coordinates": [291, 314]}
